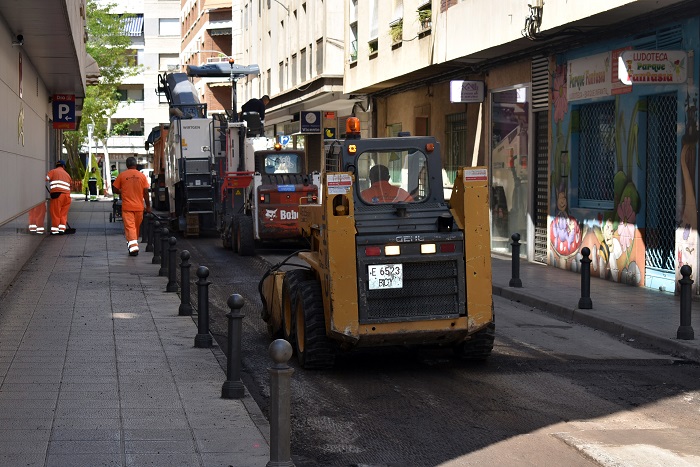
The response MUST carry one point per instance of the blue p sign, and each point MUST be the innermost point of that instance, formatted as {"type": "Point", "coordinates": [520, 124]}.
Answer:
{"type": "Point", "coordinates": [64, 111]}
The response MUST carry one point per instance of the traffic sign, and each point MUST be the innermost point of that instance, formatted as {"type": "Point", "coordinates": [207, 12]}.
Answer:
{"type": "Point", "coordinates": [64, 111]}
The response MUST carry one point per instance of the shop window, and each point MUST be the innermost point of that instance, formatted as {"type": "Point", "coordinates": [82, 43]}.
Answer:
{"type": "Point", "coordinates": [596, 155]}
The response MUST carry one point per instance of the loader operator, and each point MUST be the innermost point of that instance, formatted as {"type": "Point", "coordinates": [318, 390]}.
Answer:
{"type": "Point", "coordinates": [133, 188]}
{"type": "Point", "coordinates": [381, 191]}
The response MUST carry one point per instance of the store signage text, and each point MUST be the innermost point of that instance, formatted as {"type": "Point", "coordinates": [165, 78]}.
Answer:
{"type": "Point", "coordinates": [653, 67]}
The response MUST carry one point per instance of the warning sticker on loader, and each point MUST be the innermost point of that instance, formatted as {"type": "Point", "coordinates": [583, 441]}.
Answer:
{"type": "Point", "coordinates": [339, 184]}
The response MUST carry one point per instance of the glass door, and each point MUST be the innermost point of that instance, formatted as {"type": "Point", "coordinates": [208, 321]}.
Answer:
{"type": "Point", "coordinates": [510, 148]}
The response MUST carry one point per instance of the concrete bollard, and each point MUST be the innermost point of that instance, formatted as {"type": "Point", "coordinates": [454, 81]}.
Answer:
{"type": "Point", "coordinates": [164, 236]}
{"type": "Point", "coordinates": [172, 266]}
{"type": "Point", "coordinates": [685, 330]}
{"type": "Point", "coordinates": [280, 404]}
{"type": "Point", "coordinates": [233, 386]}
{"type": "Point", "coordinates": [156, 243]}
{"type": "Point", "coordinates": [515, 265]}
{"type": "Point", "coordinates": [150, 218]}
{"type": "Point", "coordinates": [585, 302]}
{"type": "Point", "coordinates": [203, 338]}
{"type": "Point", "coordinates": [185, 306]}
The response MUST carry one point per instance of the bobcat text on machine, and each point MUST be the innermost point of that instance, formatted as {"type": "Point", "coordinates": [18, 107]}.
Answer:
{"type": "Point", "coordinates": [225, 174]}
{"type": "Point", "coordinates": [390, 262]}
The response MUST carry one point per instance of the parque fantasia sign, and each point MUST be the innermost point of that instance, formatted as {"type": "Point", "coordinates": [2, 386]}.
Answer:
{"type": "Point", "coordinates": [653, 67]}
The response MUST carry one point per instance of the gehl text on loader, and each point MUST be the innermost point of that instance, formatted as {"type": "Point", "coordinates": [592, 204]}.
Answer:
{"type": "Point", "coordinates": [222, 173]}
{"type": "Point", "coordinates": [391, 262]}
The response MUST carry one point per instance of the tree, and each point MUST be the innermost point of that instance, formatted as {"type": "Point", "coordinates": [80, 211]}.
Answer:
{"type": "Point", "coordinates": [112, 51]}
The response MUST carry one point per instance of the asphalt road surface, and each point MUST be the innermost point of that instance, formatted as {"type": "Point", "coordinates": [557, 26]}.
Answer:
{"type": "Point", "coordinates": [553, 393]}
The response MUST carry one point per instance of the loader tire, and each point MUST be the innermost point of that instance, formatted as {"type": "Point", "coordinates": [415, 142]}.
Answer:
{"type": "Point", "coordinates": [478, 348]}
{"type": "Point", "coordinates": [291, 282]}
{"type": "Point", "coordinates": [226, 238]}
{"type": "Point", "coordinates": [234, 234]}
{"type": "Point", "coordinates": [245, 238]}
{"type": "Point", "coordinates": [314, 349]}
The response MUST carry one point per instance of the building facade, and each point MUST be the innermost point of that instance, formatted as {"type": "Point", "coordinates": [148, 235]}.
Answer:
{"type": "Point", "coordinates": [42, 63]}
{"type": "Point", "coordinates": [577, 157]}
{"type": "Point", "coordinates": [206, 38]}
{"type": "Point", "coordinates": [154, 28]}
{"type": "Point", "coordinates": [300, 49]}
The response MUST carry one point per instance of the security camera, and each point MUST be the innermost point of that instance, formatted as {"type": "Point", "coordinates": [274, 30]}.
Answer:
{"type": "Point", "coordinates": [19, 41]}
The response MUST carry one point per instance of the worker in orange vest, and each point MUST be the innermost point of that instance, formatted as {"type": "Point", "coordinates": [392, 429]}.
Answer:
{"type": "Point", "coordinates": [133, 187]}
{"type": "Point", "coordinates": [59, 187]}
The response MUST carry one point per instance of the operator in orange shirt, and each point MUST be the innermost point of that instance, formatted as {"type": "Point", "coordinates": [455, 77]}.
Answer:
{"type": "Point", "coordinates": [59, 187]}
{"type": "Point", "coordinates": [381, 191]}
{"type": "Point", "coordinates": [133, 187]}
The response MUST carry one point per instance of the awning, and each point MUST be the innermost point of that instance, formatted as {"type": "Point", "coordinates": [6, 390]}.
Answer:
{"type": "Point", "coordinates": [220, 32]}
{"type": "Point", "coordinates": [133, 25]}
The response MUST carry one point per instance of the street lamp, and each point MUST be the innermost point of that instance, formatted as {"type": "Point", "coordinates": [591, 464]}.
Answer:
{"type": "Point", "coordinates": [90, 128]}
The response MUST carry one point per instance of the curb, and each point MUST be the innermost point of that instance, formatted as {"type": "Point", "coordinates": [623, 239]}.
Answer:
{"type": "Point", "coordinates": [611, 327]}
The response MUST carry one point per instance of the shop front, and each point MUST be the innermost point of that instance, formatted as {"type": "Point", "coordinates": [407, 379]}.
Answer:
{"type": "Point", "coordinates": [624, 146]}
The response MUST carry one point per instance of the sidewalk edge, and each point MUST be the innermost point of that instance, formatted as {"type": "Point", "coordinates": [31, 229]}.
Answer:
{"type": "Point", "coordinates": [612, 327]}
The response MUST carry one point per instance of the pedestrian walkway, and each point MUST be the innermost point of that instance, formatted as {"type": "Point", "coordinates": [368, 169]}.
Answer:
{"type": "Point", "coordinates": [635, 314]}
{"type": "Point", "coordinates": [98, 369]}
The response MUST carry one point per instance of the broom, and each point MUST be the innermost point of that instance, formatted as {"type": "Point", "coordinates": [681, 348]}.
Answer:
{"type": "Point", "coordinates": [69, 229]}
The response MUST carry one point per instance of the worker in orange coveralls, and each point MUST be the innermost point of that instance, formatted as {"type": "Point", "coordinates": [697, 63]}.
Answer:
{"type": "Point", "coordinates": [36, 218]}
{"type": "Point", "coordinates": [59, 187]}
{"type": "Point", "coordinates": [133, 187]}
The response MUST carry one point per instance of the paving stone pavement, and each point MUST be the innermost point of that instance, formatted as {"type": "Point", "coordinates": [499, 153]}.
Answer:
{"type": "Point", "coordinates": [98, 369]}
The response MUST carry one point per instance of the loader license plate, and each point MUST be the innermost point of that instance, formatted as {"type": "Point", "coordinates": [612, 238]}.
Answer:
{"type": "Point", "coordinates": [385, 276]}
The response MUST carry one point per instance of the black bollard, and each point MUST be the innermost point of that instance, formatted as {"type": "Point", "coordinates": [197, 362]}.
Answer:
{"type": "Point", "coordinates": [585, 302]}
{"type": "Point", "coordinates": [172, 265]}
{"type": "Point", "coordinates": [280, 404]}
{"type": "Point", "coordinates": [515, 279]}
{"type": "Point", "coordinates": [233, 386]}
{"type": "Point", "coordinates": [685, 330]}
{"type": "Point", "coordinates": [185, 306]}
{"type": "Point", "coordinates": [149, 231]}
{"type": "Point", "coordinates": [203, 338]}
{"type": "Point", "coordinates": [156, 243]}
{"type": "Point", "coordinates": [164, 236]}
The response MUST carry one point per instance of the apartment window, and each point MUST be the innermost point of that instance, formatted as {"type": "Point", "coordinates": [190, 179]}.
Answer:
{"type": "Point", "coordinates": [596, 155]}
{"type": "Point", "coordinates": [168, 62]}
{"type": "Point", "coordinates": [131, 57]}
{"type": "Point", "coordinates": [269, 82]}
{"type": "Point", "coordinates": [294, 70]}
{"type": "Point", "coordinates": [130, 93]}
{"type": "Point", "coordinates": [319, 57]}
{"type": "Point", "coordinates": [245, 17]}
{"type": "Point", "coordinates": [280, 71]}
{"type": "Point", "coordinates": [168, 27]}
{"type": "Point", "coordinates": [353, 31]}
{"type": "Point", "coordinates": [302, 64]}
{"type": "Point", "coordinates": [373, 20]}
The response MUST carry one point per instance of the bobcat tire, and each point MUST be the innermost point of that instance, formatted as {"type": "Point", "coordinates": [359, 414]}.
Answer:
{"type": "Point", "coordinates": [291, 282]}
{"type": "Point", "coordinates": [226, 241]}
{"type": "Point", "coordinates": [245, 238]}
{"type": "Point", "coordinates": [314, 349]}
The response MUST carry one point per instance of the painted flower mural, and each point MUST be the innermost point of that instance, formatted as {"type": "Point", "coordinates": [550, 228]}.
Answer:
{"type": "Point", "coordinates": [626, 227]}
{"type": "Point", "coordinates": [559, 93]}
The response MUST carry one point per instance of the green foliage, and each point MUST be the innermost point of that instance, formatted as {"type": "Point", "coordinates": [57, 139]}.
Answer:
{"type": "Point", "coordinates": [112, 50]}
{"type": "Point", "coordinates": [396, 31]}
{"type": "Point", "coordinates": [425, 17]}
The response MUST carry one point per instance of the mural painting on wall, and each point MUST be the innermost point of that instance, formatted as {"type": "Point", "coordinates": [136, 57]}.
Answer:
{"type": "Point", "coordinates": [610, 235]}
{"type": "Point", "coordinates": [686, 235]}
